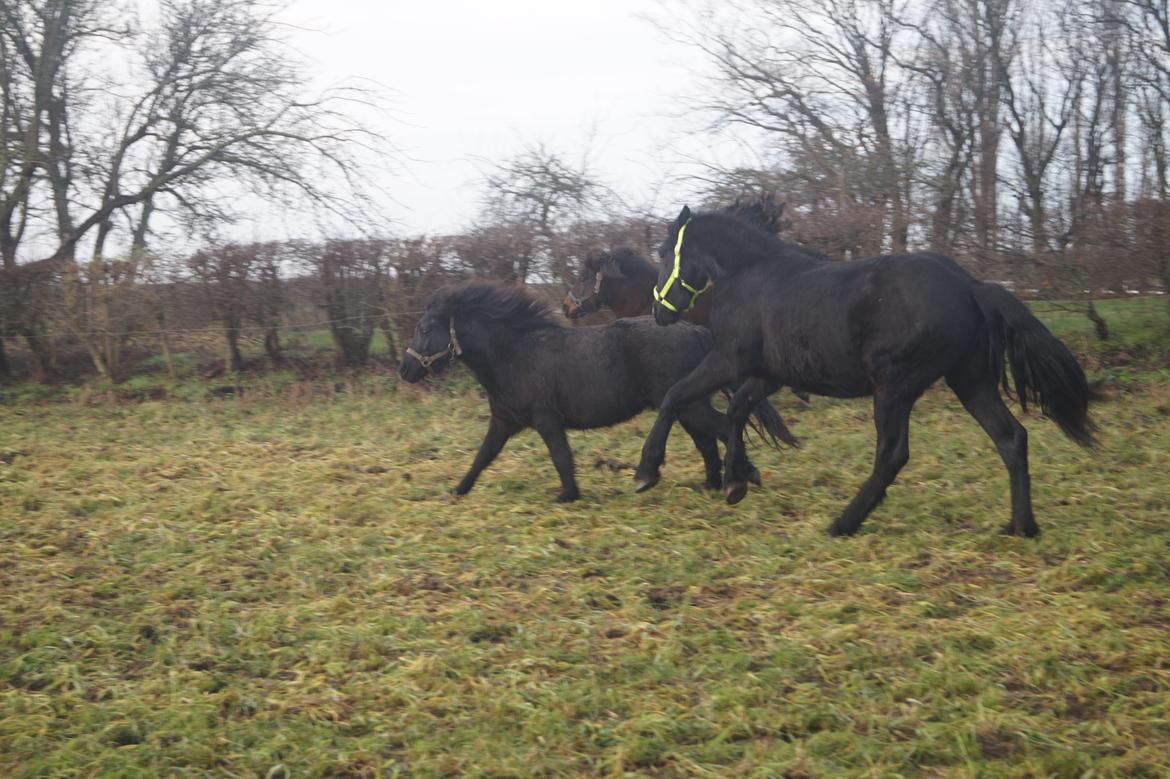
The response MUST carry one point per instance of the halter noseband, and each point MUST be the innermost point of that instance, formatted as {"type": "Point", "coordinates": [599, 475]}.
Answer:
{"type": "Point", "coordinates": [676, 275]}
{"type": "Point", "coordinates": [453, 348]}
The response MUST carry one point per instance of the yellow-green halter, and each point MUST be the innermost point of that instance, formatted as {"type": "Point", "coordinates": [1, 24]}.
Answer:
{"type": "Point", "coordinates": [676, 275]}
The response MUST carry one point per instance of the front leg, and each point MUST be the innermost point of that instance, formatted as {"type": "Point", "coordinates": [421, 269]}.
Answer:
{"type": "Point", "coordinates": [713, 372]}
{"type": "Point", "coordinates": [498, 433]}
{"type": "Point", "coordinates": [552, 430]}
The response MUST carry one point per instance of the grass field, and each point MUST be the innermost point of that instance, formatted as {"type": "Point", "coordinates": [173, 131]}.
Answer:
{"type": "Point", "coordinates": [279, 586]}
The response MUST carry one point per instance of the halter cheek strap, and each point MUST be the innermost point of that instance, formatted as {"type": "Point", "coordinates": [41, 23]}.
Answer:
{"type": "Point", "coordinates": [676, 275]}
{"type": "Point", "coordinates": [453, 348]}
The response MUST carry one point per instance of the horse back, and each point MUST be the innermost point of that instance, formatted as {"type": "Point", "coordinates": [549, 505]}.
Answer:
{"type": "Point", "coordinates": [601, 375]}
{"type": "Point", "coordinates": [838, 328]}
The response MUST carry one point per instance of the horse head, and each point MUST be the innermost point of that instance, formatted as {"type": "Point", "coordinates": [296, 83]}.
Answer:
{"type": "Point", "coordinates": [588, 294]}
{"type": "Point", "coordinates": [433, 347]}
{"type": "Point", "coordinates": [684, 275]}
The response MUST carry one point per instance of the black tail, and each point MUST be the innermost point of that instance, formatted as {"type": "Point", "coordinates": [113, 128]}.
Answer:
{"type": "Point", "coordinates": [768, 424]}
{"type": "Point", "coordinates": [1043, 369]}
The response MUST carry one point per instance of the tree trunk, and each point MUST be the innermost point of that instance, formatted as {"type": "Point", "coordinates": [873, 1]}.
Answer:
{"type": "Point", "coordinates": [272, 345]}
{"type": "Point", "coordinates": [1099, 325]}
{"type": "Point", "coordinates": [391, 341]}
{"type": "Point", "coordinates": [232, 360]}
{"type": "Point", "coordinates": [5, 366]}
{"type": "Point", "coordinates": [43, 363]}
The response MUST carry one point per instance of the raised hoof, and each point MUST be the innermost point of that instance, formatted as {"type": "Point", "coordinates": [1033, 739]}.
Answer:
{"type": "Point", "coordinates": [735, 492]}
{"type": "Point", "coordinates": [754, 477]}
{"type": "Point", "coordinates": [643, 483]}
{"type": "Point", "coordinates": [1010, 530]}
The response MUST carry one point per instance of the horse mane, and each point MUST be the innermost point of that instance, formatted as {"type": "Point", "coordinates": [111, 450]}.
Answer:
{"type": "Point", "coordinates": [629, 262]}
{"type": "Point", "coordinates": [761, 210]}
{"type": "Point", "coordinates": [511, 304]}
{"type": "Point", "coordinates": [739, 242]}
{"type": "Point", "coordinates": [633, 264]}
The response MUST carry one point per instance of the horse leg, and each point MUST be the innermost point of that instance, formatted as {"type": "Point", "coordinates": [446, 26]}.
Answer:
{"type": "Point", "coordinates": [552, 430]}
{"type": "Point", "coordinates": [737, 469]}
{"type": "Point", "coordinates": [980, 396]}
{"type": "Point", "coordinates": [498, 433]}
{"type": "Point", "coordinates": [713, 372]}
{"type": "Point", "coordinates": [715, 425]}
{"type": "Point", "coordinates": [705, 443]}
{"type": "Point", "coordinates": [891, 416]}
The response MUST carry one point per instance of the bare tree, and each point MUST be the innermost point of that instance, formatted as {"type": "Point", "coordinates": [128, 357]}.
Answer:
{"type": "Point", "coordinates": [214, 100]}
{"type": "Point", "coordinates": [821, 79]}
{"type": "Point", "coordinates": [224, 275]}
{"type": "Point", "coordinates": [354, 278]}
{"type": "Point", "coordinates": [533, 195]}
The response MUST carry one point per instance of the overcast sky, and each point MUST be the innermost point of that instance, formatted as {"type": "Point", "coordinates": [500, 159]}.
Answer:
{"type": "Point", "coordinates": [474, 82]}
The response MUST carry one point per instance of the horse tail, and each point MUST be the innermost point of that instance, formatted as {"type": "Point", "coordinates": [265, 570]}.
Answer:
{"type": "Point", "coordinates": [767, 423]}
{"type": "Point", "coordinates": [1043, 370]}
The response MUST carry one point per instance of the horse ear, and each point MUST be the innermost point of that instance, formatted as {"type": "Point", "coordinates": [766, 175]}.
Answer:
{"type": "Point", "coordinates": [780, 209]}
{"type": "Point", "coordinates": [683, 215]}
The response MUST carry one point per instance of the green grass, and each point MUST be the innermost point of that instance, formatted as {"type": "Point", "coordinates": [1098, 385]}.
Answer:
{"type": "Point", "coordinates": [1139, 326]}
{"type": "Point", "coordinates": [279, 585]}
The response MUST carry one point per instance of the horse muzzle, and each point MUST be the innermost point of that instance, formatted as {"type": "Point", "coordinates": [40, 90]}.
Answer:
{"type": "Point", "coordinates": [411, 370]}
{"type": "Point", "coordinates": [664, 316]}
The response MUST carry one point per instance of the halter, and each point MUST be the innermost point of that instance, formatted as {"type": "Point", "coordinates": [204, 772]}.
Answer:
{"type": "Point", "coordinates": [453, 348]}
{"type": "Point", "coordinates": [676, 274]}
{"type": "Point", "coordinates": [596, 291]}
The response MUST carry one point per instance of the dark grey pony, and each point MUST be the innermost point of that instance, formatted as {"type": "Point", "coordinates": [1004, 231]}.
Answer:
{"type": "Point", "coordinates": [888, 327]}
{"type": "Point", "coordinates": [540, 374]}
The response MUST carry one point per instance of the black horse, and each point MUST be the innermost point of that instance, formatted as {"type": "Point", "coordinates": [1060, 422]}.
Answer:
{"type": "Point", "coordinates": [888, 327]}
{"type": "Point", "coordinates": [540, 374]}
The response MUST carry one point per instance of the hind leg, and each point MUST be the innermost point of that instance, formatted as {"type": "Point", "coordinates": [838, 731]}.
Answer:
{"type": "Point", "coordinates": [712, 423]}
{"type": "Point", "coordinates": [737, 469]}
{"type": "Point", "coordinates": [980, 396]}
{"type": "Point", "coordinates": [891, 416]}
{"type": "Point", "coordinates": [705, 443]}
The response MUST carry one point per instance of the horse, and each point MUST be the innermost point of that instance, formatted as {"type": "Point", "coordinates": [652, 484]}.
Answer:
{"type": "Point", "coordinates": [540, 374]}
{"type": "Point", "coordinates": [886, 327]}
{"type": "Point", "coordinates": [623, 281]}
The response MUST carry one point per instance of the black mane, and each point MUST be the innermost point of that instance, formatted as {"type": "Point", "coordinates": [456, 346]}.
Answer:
{"type": "Point", "coordinates": [487, 300]}
{"type": "Point", "coordinates": [633, 264]}
{"type": "Point", "coordinates": [739, 243]}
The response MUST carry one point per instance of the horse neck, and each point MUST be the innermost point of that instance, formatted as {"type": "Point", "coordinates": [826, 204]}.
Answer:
{"type": "Point", "coordinates": [736, 251]}
{"type": "Point", "coordinates": [487, 346]}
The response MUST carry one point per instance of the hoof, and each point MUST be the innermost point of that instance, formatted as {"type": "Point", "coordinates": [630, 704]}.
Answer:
{"type": "Point", "coordinates": [713, 485]}
{"type": "Point", "coordinates": [643, 483]}
{"type": "Point", "coordinates": [1010, 530]}
{"type": "Point", "coordinates": [836, 530]}
{"type": "Point", "coordinates": [754, 477]}
{"type": "Point", "coordinates": [735, 492]}
{"type": "Point", "coordinates": [567, 497]}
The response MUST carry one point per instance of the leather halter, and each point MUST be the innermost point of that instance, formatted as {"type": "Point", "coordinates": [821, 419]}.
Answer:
{"type": "Point", "coordinates": [596, 291]}
{"type": "Point", "coordinates": [453, 348]}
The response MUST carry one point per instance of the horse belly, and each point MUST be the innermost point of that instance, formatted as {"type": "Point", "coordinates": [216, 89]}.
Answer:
{"type": "Point", "coordinates": [809, 362]}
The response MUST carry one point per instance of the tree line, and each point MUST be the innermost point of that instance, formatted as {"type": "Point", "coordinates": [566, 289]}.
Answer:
{"type": "Point", "coordinates": [1028, 138]}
